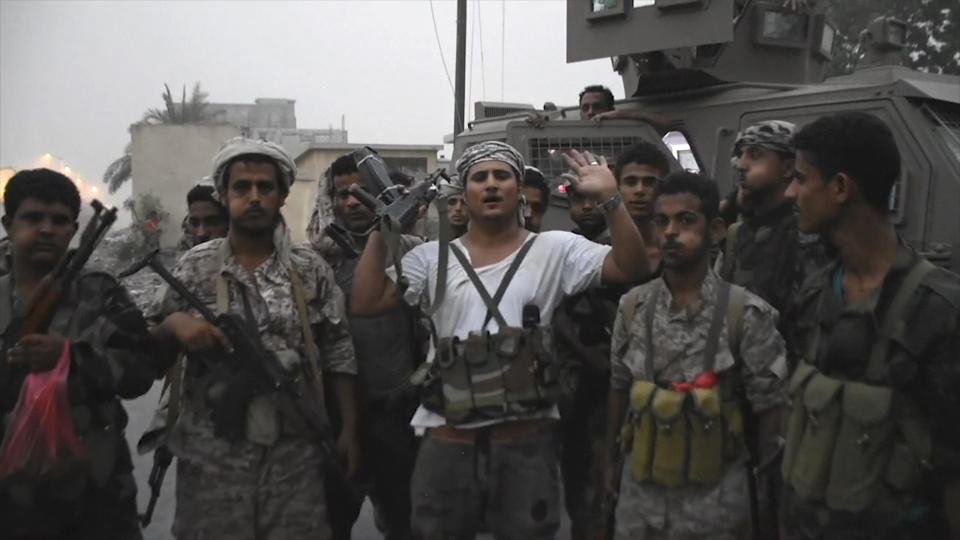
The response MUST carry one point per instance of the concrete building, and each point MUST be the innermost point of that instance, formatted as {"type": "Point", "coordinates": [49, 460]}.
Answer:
{"type": "Point", "coordinates": [275, 120]}
{"type": "Point", "coordinates": [168, 160]}
{"type": "Point", "coordinates": [414, 159]}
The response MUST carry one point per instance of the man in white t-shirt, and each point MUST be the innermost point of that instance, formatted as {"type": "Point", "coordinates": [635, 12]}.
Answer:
{"type": "Point", "coordinates": [502, 470]}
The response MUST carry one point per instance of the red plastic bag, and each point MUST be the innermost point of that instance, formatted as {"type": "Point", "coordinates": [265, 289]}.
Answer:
{"type": "Point", "coordinates": [41, 438]}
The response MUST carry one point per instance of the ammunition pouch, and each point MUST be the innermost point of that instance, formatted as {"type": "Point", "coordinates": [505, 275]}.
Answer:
{"type": "Point", "coordinates": [848, 441]}
{"type": "Point", "coordinates": [687, 438]}
{"type": "Point", "coordinates": [492, 376]}
{"type": "Point", "coordinates": [681, 438]}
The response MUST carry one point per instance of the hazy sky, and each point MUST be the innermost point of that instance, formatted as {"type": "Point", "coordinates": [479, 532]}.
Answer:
{"type": "Point", "coordinates": [74, 75]}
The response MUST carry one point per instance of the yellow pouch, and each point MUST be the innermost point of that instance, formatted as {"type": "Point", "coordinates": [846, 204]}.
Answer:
{"type": "Point", "coordinates": [810, 468]}
{"type": "Point", "coordinates": [640, 430]}
{"type": "Point", "coordinates": [670, 438]}
{"type": "Point", "coordinates": [706, 436]}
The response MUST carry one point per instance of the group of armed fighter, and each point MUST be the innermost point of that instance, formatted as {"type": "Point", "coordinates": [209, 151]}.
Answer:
{"type": "Point", "coordinates": [777, 363]}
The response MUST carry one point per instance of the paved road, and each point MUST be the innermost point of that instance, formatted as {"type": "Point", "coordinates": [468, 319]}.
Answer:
{"type": "Point", "coordinates": [141, 412]}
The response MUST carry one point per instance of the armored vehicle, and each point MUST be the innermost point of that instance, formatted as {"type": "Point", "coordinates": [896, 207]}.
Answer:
{"type": "Point", "coordinates": [715, 66]}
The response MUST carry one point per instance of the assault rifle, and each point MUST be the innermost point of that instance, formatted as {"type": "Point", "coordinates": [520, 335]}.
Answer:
{"type": "Point", "coordinates": [396, 206]}
{"type": "Point", "coordinates": [249, 370]}
{"type": "Point", "coordinates": [51, 290]}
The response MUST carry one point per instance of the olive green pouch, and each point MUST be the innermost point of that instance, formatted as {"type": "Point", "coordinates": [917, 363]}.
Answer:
{"type": "Point", "coordinates": [486, 375]}
{"type": "Point", "coordinates": [862, 448]}
{"type": "Point", "coordinates": [670, 440]}
{"type": "Point", "coordinates": [706, 436]}
{"type": "Point", "coordinates": [810, 469]}
{"type": "Point", "coordinates": [516, 360]}
{"type": "Point", "coordinates": [910, 457]}
{"type": "Point", "coordinates": [640, 432]}
{"type": "Point", "coordinates": [455, 384]}
{"type": "Point", "coordinates": [797, 418]}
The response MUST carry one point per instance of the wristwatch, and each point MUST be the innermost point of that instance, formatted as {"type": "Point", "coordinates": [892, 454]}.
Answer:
{"type": "Point", "coordinates": [612, 203]}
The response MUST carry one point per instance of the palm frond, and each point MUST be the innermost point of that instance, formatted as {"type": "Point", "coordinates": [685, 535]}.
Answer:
{"type": "Point", "coordinates": [118, 173]}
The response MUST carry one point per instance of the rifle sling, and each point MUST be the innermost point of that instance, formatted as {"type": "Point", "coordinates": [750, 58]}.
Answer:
{"type": "Point", "coordinates": [313, 354]}
{"type": "Point", "coordinates": [493, 303]}
{"type": "Point", "coordinates": [443, 256]}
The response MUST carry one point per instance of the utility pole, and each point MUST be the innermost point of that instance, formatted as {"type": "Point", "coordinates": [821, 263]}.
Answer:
{"type": "Point", "coordinates": [461, 69]}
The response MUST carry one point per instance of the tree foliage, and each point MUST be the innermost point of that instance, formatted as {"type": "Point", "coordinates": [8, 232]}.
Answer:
{"type": "Point", "coordinates": [932, 30]}
{"type": "Point", "coordinates": [192, 111]}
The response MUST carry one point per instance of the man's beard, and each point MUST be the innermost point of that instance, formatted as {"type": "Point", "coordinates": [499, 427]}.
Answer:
{"type": "Point", "coordinates": [240, 226]}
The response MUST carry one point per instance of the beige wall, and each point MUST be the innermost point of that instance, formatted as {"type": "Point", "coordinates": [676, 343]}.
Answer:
{"type": "Point", "coordinates": [310, 169]}
{"type": "Point", "coordinates": [169, 160]}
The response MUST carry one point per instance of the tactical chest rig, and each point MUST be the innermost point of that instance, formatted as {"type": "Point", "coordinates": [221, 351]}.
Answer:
{"type": "Point", "coordinates": [493, 376]}
{"type": "Point", "coordinates": [850, 442]}
{"type": "Point", "coordinates": [687, 438]}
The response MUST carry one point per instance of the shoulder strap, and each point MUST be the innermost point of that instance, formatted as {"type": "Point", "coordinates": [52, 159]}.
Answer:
{"type": "Point", "coordinates": [730, 250]}
{"type": "Point", "coordinates": [492, 305]}
{"type": "Point", "coordinates": [649, 311]}
{"type": "Point", "coordinates": [223, 294]}
{"type": "Point", "coordinates": [716, 325]}
{"type": "Point", "coordinates": [313, 355]}
{"type": "Point", "coordinates": [738, 298]}
{"type": "Point", "coordinates": [893, 320]}
{"type": "Point", "coordinates": [629, 308]}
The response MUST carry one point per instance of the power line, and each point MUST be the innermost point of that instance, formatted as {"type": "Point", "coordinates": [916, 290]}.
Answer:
{"type": "Point", "coordinates": [503, 41]}
{"type": "Point", "coordinates": [483, 77]}
{"type": "Point", "coordinates": [443, 60]}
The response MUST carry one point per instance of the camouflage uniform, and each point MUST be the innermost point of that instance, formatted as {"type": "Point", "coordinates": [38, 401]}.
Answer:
{"type": "Point", "coordinates": [583, 406]}
{"type": "Point", "coordinates": [771, 256]}
{"type": "Point", "coordinates": [269, 485]}
{"type": "Point", "coordinates": [110, 362]}
{"type": "Point", "coordinates": [649, 511]}
{"type": "Point", "coordinates": [923, 364]}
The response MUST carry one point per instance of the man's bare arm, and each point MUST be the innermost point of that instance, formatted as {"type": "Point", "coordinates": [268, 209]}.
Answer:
{"type": "Point", "coordinates": [373, 292]}
{"type": "Point", "coordinates": [627, 262]}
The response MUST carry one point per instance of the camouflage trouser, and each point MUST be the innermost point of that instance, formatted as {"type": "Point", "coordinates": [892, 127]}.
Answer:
{"type": "Point", "coordinates": [255, 493]}
{"type": "Point", "coordinates": [646, 512]}
{"type": "Point", "coordinates": [513, 485]}
{"type": "Point", "coordinates": [583, 428]}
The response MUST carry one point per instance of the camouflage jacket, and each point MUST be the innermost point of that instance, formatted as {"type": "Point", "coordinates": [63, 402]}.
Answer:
{"type": "Point", "coordinates": [679, 341]}
{"type": "Point", "coordinates": [269, 292]}
{"type": "Point", "coordinates": [924, 364]}
{"type": "Point", "coordinates": [771, 257]}
{"type": "Point", "coordinates": [111, 360]}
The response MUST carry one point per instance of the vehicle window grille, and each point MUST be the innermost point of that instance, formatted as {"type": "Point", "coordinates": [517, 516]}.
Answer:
{"type": "Point", "coordinates": [553, 165]}
{"type": "Point", "coordinates": [948, 130]}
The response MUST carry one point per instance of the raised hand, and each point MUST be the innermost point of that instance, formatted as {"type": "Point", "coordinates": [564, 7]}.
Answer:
{"type": "Point", "coordinates": [593, 178]}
